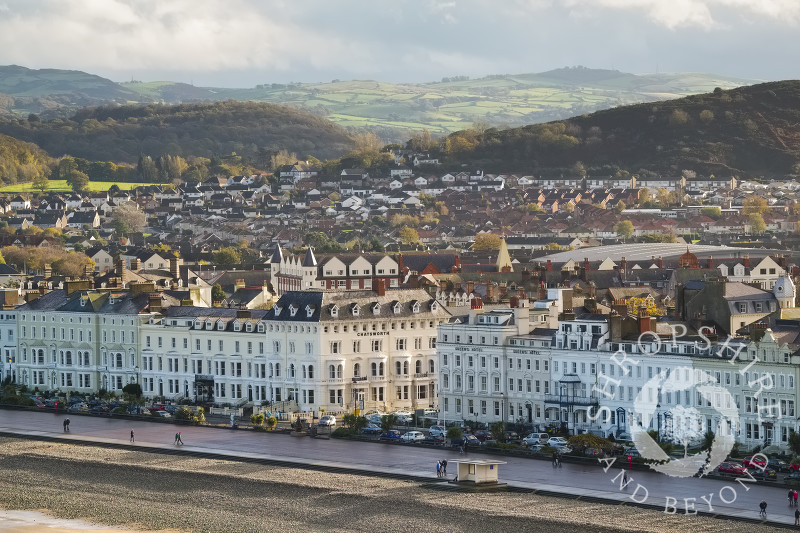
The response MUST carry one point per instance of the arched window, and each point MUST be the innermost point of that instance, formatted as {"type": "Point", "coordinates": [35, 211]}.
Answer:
{"type": "Point", "coordinates": [357, 370]}
{"type": "Point", "coordinates": [304, 371]}
{"type": "Point", "coordinates": [374, 369]}
{"type": "Point", "coordinates": [380, 369]}
{"type": "Point", "coordinates": [339, 370]}
{"type": "Point", "coordinates": [310, 371]}
{"type": "Point", "coordinates": [405, 367]}
{"type": "Point", "coordinates": [291, 370]}
{"type": "Point", "coordinates": [431, 366]}
{"type": "Point", "coordinates": [399, 366]}
{"type": "Point", "coordinates": [418, 367]}
{"type": "Point", "coordinates": [331, 371]}
{"type": "Point", "coordinates": [277, 370]}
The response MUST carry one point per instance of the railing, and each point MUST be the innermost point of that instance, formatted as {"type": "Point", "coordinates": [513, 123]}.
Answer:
{"type": "Point", "coordinates": [361, 378]}
{"type": "Point", "coordinates": [570, 400]}
{"type": "Point", "coordinates": [227, 411]}
{"type": "Point", "coordinates": [204, 377]}
{"type": "Point", "coordinates": [422, 375]}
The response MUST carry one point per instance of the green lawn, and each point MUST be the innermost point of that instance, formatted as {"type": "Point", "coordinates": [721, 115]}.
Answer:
{"type": "Point", "coordinates": [61, 185]}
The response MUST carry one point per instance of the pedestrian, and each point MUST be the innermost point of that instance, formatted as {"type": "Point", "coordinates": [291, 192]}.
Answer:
{"type": "Point", "coordinates": [797, 517]}
{"type": "Point", "coordinates": [66, 425]}
{"type": "Point", "coordinates": [625, 478]}
{"type": "Point", "coordinates": [795, 497]}
{"type": "Point", "coordinates": [177, 438]}
{"type": "Point", "coordinates": [132, 439]}
{"type": "Point", "coordinates": [461, 449]}
{"type": "Point", "coordinates": [438, 469]}
{"type": "Point", "coordinates": [763, 507]}
{"type": "Point", "coordinates": [444, 467]}
{"type": "Point", "coordinates": [791, 497]}
{"type": "Point", "coordinates": [180, 441]}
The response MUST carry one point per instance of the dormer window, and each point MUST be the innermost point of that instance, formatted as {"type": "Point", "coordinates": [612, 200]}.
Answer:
{"type": "Point", "coordinates": [292, 310]}
{"type": "Point", "coordinates": [261, 327]}
{"type": "Point", "coordinates": [277, 309]}
{"type": "Point", "coordinates": [335, 311]}
{"type": "Point", "coordinates": [415, 307]}
{"type": "Point", "coordinates": [198, 324]}
{"type": "Point", "coordinates": [397, 308]}
{"type": "Point", "coordinates": [434, 306]}
{"type": "Point", "coordinates": [309, 311]}
{"type": "Point", "coordinates": [249, 327]}
{"type": "Point", "coordinates": [237, 326]}
{"type": "Point", "coordinates": [356, 310]}
{"type": "Point", "coordinates": [376, 309]}
{"type": "Point", "coordinates": [220, 325]}
{"type": "Point", "coordinates": [208, 324]}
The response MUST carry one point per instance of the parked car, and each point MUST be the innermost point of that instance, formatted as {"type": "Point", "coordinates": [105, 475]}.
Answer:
{"type": "Point", "coordinates": [754, 461]}
{"type": "Point", "coordinates": [794, 477]}
{"type": "Point", "coordinates": [434, 439]}
{"type": "Point", "coordinates": [371, 429]}
{"type": "Point", "coordinates": [403, 412]}
{"type": "Point", "coordinates": [327, 420]}
{"type": "Point", "coordinates": [512, 436]}
{"type": "Point", "coordinates": [535, 438]}
{"type": "Point", "coordinates": [732, 468]}
{"type": "Point", "coordinates": [467, 440]}
{"type": "Point", "coordinates": [556, 442]}
{"type": "Point", "coordinates": [412, 436]}
{"type": "Point", "coordinates": [392, 435]}
{"type": "Point", "coordinates": [162, 414]}
{"type": "Point", "coordinates": [779, 465]}
{"type": "Point", "coordinates": [767, 474]}
{"type": "Point", "coordinates": [431, 413]}
{"type": "Point", "coordinates": [483, 435]}
{"type": "Point", "coordinates": [437, 431]}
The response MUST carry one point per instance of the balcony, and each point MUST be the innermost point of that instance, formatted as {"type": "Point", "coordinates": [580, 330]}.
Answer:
{"type": "Point", "coordinates": [361, 378]}
{"type": "Point", "coordinates": [420, 375]}
{"type": "Point", "coordinates": [203, 377]}
{"type": "Point", "coordinates": [564, 399]}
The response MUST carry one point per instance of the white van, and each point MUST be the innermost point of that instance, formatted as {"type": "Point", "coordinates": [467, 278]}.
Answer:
{"type": "Point", "coordinates": [536, 438]}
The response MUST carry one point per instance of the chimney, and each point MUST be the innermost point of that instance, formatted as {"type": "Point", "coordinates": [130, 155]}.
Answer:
{"type": "Point", "coordinates": [525, 275]}
{"type": "Point", "coordinates": [238, 285]}
{"type": "Point", "coordinates": [660, 262]}
{"type": "Point", "coordinates": [623, 268]}
{"type": "Point", "coordinates": [782, 261]}
{"type": "Point", "coordinates": [443, 285]}
{"type": "Point", "coordinates": [747, 261]}
{"type": "Point", "coordinates": [119, 266]}
{"type": "Point", "coordinates": [48, 271]}
{"type": "Point", "coordinates": [470, 287]}
{"type": "Point", "coordinates": [175, 267]}
{"type": "Point", "coordinates": [513, 302]}
{"type": "Point", "coordinates": [458, 263]}
{"type": "Point", "coordinates": [137, 288]}
{"type": "Point", "coordinates": [243, 313]}
{"type": "Point", "coordinates": [586, 264]}
{"type": "Point", "coordinates": [489, 291]}
{"type": "Point", "coordinates": [549, 266]}
{"type": "Point", "coordinates": [710, 262]}
{"type": "Point", "coordinates": [72, 286]}
{"type": "Point", "coordinates": [87, 271]}
{"type": "Point", "coordinates": [136, 264]}
{"type": "Point", "coordinates": [380, 286]}
{"type": "Point", "coordinates": [476, 303]}
{"type": "Point", "coordinates": [155, 302]}
{"type": "Point", "coordinates": [644, 320]}
{"type": "Point", "coordinates": [542, 295]}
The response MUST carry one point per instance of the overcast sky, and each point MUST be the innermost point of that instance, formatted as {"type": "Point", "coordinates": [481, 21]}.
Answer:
{"type": "Point", "coordinates": [241, 43]}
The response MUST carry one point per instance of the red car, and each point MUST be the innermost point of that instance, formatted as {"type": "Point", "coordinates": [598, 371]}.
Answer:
{"type": "Point", "coordinates": [754, 462]}
{"type": "Point", "coordinates": [483, 435]}
{"type": "Point", "coordinates": [732, 468]}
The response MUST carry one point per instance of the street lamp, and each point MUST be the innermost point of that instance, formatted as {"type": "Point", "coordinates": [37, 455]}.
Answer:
{"type": "Point", "coordinates": [503, 408]}
{"type": "Point", "coordinates": [658, 415]}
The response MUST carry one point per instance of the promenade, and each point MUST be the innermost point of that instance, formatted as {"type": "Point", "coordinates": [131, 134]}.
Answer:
{"type": "Point", "coordinates": [583, 482]}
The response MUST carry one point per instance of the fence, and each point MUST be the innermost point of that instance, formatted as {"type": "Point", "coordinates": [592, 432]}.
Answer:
{"type": "Point", "coordinates": [227, 411]}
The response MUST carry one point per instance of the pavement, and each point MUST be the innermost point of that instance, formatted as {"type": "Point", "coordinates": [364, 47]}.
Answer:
{"type": "Point", "coordinates": [722, 498]}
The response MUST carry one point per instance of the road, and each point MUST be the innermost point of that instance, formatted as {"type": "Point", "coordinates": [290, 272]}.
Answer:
{"type": "Point", "coordinates": [578, 480]}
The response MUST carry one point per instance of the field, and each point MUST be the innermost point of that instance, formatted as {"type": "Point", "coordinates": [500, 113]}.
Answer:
{"type": "Point", "coordinates": [396, 110]}
{"type": "Point", "coordinates": [61, 186]}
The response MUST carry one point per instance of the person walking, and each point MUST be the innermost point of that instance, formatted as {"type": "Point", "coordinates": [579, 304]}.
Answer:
{"type": "Point", "coordinates": [444, 467]}
{"type": "Point", "coordinates": [438, 469]}
{"type": "Point", "coordinates": [795, 495]}
{"type": "Point", "coordinates": [180, 440]}
{"type": "Point", "coordinates": [763, 507]}
{"type": "Point", "coordinates": [132, 439]}
{"type": "Point", "coordinates": [797, 517]}
{"type": "Point", "coordinates": [66, 425]}
{"type": "Point", "coordinates": [791, 497]}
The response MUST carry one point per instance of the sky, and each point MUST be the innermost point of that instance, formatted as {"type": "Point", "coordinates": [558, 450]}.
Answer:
{"type": "Point", "coordinates": [242, 43]}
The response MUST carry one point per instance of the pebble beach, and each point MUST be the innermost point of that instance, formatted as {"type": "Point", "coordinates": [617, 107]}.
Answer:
{"type": "Point", "coordinates": [118, 489]}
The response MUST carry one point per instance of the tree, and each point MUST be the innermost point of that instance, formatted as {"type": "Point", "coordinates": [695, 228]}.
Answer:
{"type": "Point", "coordinates": [375, 245]}
{"type": "Point", "coordinates": [78, 180]}
{"type": "Point", "coordinates": [757, 224]}
{"type": "Point", "coordinates": [624, 229]}
{"type": "Point", "coordinates": [388, 422]}
{"type": "Point", "coordinates": [620, 207]}
{"type": "Point", "coordinates": [706, 116]}
{"type": "Point", "coordinates": [128, 218]}
{"type": "Point", "coordinates": [578, 169]}
{"type": "Point", "coordinates": [41, 183]}
{"type": "Point", "coordinates": [498, 430]}
{"type": "Point", "coordinates": [486, 241]}
{"type": "Point", "coordinates": [72, 264]}
{"type": "Point", "coordinates": [227, 257]}
{"type": "Point", "coordinates": [678, 118]}
{"type": "Point", "coordinates": [454, 433]}
{"type": "Point", "coordinates": [794, 441]}
{"type": "Point", "coordinates": [217, 293]}
{"type": "Point", "coordinates": [711, 211]}
{"type": "Point", "coordinates": [408, 235]}
{"type": "Point", "coordinates": [634, 304]}
{"type": "Point", "coordinates": [754, 204]}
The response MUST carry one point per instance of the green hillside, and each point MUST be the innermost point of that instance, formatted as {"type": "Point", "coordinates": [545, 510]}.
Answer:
{"type": "Point", "coordinates": [21, 161]}
{"type": "Point", "coordinates": [123, 133]}
{"type": "Point", "coordinates": [393, 111]}
{"type": "Point", "coordinates": [751, 130]}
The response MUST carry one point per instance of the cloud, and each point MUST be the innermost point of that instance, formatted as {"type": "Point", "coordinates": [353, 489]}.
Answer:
{"type": "Point", "coordinates": [675, 14]}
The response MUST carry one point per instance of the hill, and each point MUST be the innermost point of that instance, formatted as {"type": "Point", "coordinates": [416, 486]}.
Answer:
{"type": "Point", "coordinates": [751, 130]}
{"type": "Point", "coordinates": [393, 111]}
{"type": "Point", "coordinates": [21, 161]}
{"type": "Point", "coordinates": [123, 133]}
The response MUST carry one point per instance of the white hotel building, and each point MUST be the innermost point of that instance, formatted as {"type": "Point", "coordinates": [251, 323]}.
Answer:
{"type": "Point", "coordinates": [354, 349]}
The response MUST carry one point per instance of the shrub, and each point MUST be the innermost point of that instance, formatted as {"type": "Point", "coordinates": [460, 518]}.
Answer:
{"type": "Point", "coordinates": [184, 413]}
{"type": "Point", "coordinates": [17, 400]}
{"type": "Point", "coordinates": [271, 421]}
{"type": "Point", "coordinates": [257, 419]}
{"type": "Point", "coordinates": [341, 433]}
{"type": "Point", "coordinates": [454, 433]}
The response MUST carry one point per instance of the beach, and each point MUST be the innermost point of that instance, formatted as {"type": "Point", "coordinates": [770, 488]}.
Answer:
{"type": "Point", "coordinates": [115, 488]}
